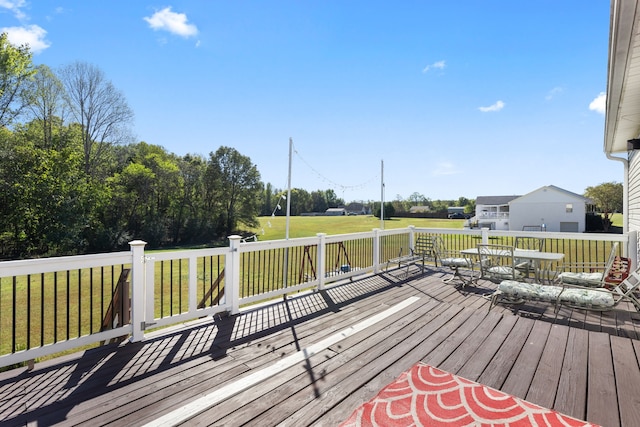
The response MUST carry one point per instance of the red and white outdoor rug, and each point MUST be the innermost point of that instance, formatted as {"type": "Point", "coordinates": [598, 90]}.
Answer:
{"type": "Point", "coordinates": [427, 396]}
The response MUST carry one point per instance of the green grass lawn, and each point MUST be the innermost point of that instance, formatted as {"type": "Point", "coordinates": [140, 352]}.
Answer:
{"type": "Point", "coordinates": [274, 228]}
{"type": "Point", "coordinates": [616, 220]}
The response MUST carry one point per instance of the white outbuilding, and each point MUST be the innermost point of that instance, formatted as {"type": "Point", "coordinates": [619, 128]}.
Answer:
{"type": "Point", "coordinates": [549, 208]}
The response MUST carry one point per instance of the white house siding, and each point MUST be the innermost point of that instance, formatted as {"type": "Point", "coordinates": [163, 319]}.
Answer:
{"type": "Point", "coordinates": [547, 206]}
{"type": "Point", "coordinates": [633, 207]}
{"type": "Point", "coordinates": [633, 210]}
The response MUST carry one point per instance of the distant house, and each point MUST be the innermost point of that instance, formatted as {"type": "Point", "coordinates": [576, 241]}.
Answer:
{"type": "Point", "coordinates": [551, 208]}
{"type": "Point", "coordinates": [419, 209]}
{"type": "Point", "coordinates": [493, 212]}
{"type": "Point", "coordinates": [548, 208]}
{"type": "Point", "coordinates": [335, 211]}
{"type": "Point", "coordinates": [356, 208]}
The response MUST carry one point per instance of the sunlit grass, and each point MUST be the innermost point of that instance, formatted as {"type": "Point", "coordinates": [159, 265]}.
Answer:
{"type": "Point", "coordinates": [274, 228]}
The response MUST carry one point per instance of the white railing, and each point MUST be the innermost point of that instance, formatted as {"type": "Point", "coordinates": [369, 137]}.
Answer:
{"type": "Point", "coordinates": [68, 295]}
{"type": "Point", "coordinates": [494, 215]}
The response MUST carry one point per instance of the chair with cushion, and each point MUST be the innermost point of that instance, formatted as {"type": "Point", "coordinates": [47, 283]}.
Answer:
{"type": "Point", "coordinates": [497, 263]}
{"type": "Point", "coordinates": [591, 275]}
{"type": "Point", "coordinates": [524, 265]}
{"type": "Point", "coordinates": [600, 299]}
{"type": "Point", "coordinates": [453, 260]}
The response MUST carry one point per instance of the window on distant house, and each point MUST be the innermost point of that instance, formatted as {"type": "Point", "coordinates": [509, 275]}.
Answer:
{"type": "Point", "coordinates": [569, 208]}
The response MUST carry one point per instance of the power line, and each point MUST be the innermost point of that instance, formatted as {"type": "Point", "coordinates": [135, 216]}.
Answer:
{"type": "Point", "coordinates": [334, 184]}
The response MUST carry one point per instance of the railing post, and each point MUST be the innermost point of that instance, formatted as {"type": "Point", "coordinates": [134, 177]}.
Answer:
{"type": "Point", "coordinates": [412, 238]}
{"type": "Point", "coordinates": [193, 284]}
{"type": "Point", "coordinates": [322, 259]}
{"type": "Point", "coordinates": [376, 250]}
{"type": "Point", "coordinates": [232, 276]}
{"type": "Point", "coordinates": [137, 290]}
{"type": "Point", "coordinates": [485, 235]}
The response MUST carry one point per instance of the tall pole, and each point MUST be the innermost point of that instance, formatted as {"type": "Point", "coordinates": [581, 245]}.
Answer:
{"type": "Point", "coordinates": [286, 250]}
{"type": "Point", "coordinates": [382, 194]}
{"type": "Point", "coordinates": [289, 189]}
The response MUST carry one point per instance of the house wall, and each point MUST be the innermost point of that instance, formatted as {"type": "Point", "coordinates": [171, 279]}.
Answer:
{"type": "Point", "coordinates": [633, 209]}
{"type": "Point", "coordinates": [546, 207]}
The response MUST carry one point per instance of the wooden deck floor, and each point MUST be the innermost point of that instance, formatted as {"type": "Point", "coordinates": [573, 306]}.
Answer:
{"type": "Point", "coordinates": [250, 369]}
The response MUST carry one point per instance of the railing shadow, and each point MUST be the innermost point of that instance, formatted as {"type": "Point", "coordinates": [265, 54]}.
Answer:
{"type": "Point", "coordinates": [55, 388]}
{"type": "Point", "coordinates": [46, 395]}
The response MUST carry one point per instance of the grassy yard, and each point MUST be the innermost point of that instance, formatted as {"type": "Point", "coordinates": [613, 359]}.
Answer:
{"type": "Point", "coordinates": [274, 228]}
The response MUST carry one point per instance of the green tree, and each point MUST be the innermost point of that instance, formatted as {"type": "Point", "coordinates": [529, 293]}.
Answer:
{"type": "Point", "coordinates": [301, 201]}
{"type": "Point", "coordinates": [319, 201]}
{"type": "Point", "coordinates": [417, 199]}
{"type": "Point", "coordinates": [233, 189]}
{"type": "Point", "coordinates": [389, 210]}
{"type": "Point", "coordinates": [332, 199]}
{"type": "Point", "coordinates": [48, 106]}
{"type": "Point", "coordinates": [191, 220]}
{"type": "Point", "coordinates": [45, 195]}
{"type": "Point", "coordinates": [132, 194]}
{"type": "Point", "coordinates": [267, 202]}
{"type": "Point", "coordinates": [608, 198]}
{"type": "Point", "coordinates": [16, 70]}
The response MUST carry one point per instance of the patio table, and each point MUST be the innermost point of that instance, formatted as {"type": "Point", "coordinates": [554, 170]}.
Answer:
{"type": "Point", "coordinates": [542, 260]}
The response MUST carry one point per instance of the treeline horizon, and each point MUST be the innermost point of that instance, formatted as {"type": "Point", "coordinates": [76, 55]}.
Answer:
{"type": "Point", "coordinates": [74, 181]}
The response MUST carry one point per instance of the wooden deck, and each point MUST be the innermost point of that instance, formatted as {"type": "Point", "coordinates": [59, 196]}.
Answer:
{"type": "Point", "coordinates": [250, 369]}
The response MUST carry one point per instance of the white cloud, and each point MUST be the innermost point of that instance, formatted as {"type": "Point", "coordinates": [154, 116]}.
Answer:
{"type": "Point", "coordinates": [439, 65]}
{"type": "Point", "coordinates": [445, 168]}
{"type": "Point", "coordinates": [599, 104]}
{"type": "Point", "coordinates": [499, 105]}
{"type": "Point", "coordinates": [14, 6]}
{"type": "Point", "coordinates": [175, 23]}
{"type": "Point", "coordinates": [553, 92]}
{"type": "Point", "coordinates": [32, 35]}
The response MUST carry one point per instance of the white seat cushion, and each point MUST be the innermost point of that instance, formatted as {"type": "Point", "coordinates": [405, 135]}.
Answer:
{"type": "Point", "coordinates": [529, 291]}
{"type": "Point", "coordinates": [583, 279]}
{"type": "Point", "coordinates": [587, 298]}
{"type": "Point", "coordinates": [456, 262]}
{"type": "Point", "coordinates": [503, 272]}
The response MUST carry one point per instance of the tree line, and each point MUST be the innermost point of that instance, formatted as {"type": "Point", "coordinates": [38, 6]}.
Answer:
{"type": "Point", "coordinates": [74, 181]}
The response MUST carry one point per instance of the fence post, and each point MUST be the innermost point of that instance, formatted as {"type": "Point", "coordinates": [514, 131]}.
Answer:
{"type": "Point", "coordinates": [376, 250]}
{"type": "Point", "coordinates": [485, 235]}
{"type": "Point", "coordinates": [322, 259]}
{"type": "Point", "coordinates": [137, 290]}
{"type": "Point", "coordinates": [232, 276]}
{"type": "Point", "coordinates": [412, 238]}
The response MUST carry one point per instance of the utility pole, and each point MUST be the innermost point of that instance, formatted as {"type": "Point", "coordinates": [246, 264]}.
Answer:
{"type": "Point", "coordinates": [382, 194]}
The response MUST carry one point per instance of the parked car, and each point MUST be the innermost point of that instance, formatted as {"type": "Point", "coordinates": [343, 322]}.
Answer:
{"type": "Point", "coordinates": [459, 215]}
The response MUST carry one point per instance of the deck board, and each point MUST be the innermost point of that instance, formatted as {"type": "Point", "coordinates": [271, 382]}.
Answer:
{"type": "Point", "coordinates": [544, 385]}
{"type": "Point", "coordinates": [583, 364]}
{"type": "Point", "coordinates": [601, 381]}
{"type": "Point", "coordinates": [521, 375]}
{"type": "Point", "coordinates": [501, 363]}
{"type": "Point", "coordinates": [627, 373]}
{"type": "Point", "coordinates": [571, 395]}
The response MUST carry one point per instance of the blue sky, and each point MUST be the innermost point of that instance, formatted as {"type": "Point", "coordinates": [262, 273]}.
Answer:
{"type": "Point", "coordinates": [465, 98]}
